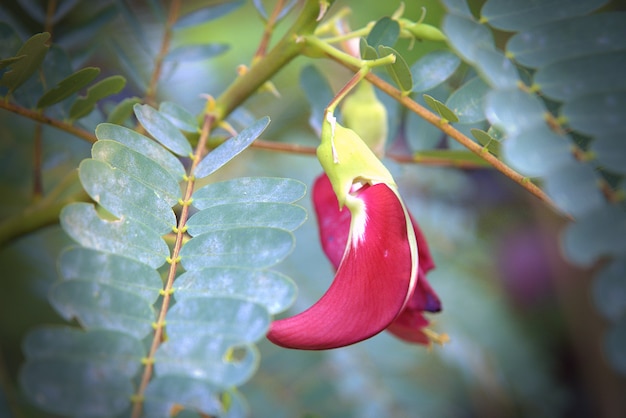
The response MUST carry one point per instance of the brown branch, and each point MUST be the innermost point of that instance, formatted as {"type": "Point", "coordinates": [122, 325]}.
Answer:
{"type": "Point", "coordinates": [459, 137]}
{"type": "Point", "coordinates": [39, 117]}
{"type": "Point", "coordinates": [165, 48]}
{"type": "Point", "coordinates": [269, 30]}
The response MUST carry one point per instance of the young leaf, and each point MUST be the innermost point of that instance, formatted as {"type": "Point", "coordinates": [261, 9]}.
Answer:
{"type": "Point", "coordinates": [385, 32]}
{"type": "Point", "coordinates": [399, 70]}
{"type": "Point", "coordinates": [33, 51]}
{"type": "Point", "coordinates": [68, 86]}
{"type": "Point", "coordinates": [441, 109]}
{"type": "Point", "coordinates": [123, 110]}
{"type": "Point", "coordinates": [486, 141]}
{"type": "Point", "coordinates": [367, 52]}
{"type": "Point", "coordinates": [162, 129]}
{"type": "Point", "coordinates": [231, 148]}
{"type": "Point", "coordinates": [84, 105]}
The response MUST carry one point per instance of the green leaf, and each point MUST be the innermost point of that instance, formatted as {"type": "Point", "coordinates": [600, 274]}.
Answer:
{"type": "Point", "coordinates": [366, 51]}
{"type": "Point", "coordinates": [468, 101]}
{"type": "Point", "coordinates": [385, 32]}
{"type": "Point", "coordinates": [230, 149]}
{"type": "Point", "coordinates": [465, 35]}
{"type": "Point", "coordinates": [596, 114]}
{"type": "Point", "coordinates": [574, 189]}
{"type": "Point", "coordinates": [139, 167]}
{"type": "Point", "coordinates": [249, 190]}
{"type": "Point", "coordinates": [610, 152]}
{"type": "Point", "coordinates": [609, 291]}
{"type": "Point", "coordinates": [433, 69]}
{"type": "Point", "coordinates": [537, 151]}
{"type": "Point", "coordinates": [236, 320]}
{"type": "Point", "coordinates": [318, 93]}
{"type": "Point", "coordinates": [112, 269]}
{"type": "Point", "coordinates": [399, 70]}
{"type": "Point", "coordinates": [102, 306]}
{"type": "Point", "coordinates": [458, 7]}
{"type": "Point", "coordinates": [162, 130]}
{"type": "Point", "coordinates": [275, 215]}
{"type": "Point", "coordinates": [8, 61]}
{"type": "Point", "coordinates": [123, 110]}
{"type": "Point", "coordinates": [204, 356]}
{"type": "Point", "coordinates": [84, 105]}
{"type": "Point", "coordinates": [576, 77]}
{"type": "Point", "coordinates": [125, 197]}
{"type": "Point", "coordinates": [607, 225]}
{"type": "Point", "coordinates": [514, 110]}
{"type": "Point", "coordinates": [440, 108]}
{"type": "Point", "coordinates": [33, 52]}
{"type": "Point", "coordinates": [496, 69]}
{"type": "Point", "coordinates": [122, 237]}
{"type": "Point", "coordinates": [166, 393]}
{"type": "Point", "coordinates": [516, 15]}
{"type": "Point", "coordinates": [487, 141]}
{"type": "Point", "coordinates": [256, 247]}
{"type": "Point", "coordinates": [179, 116]}
{"type": "Point", "coordinates": [188, 53]}
{"type": "Point", "coordinates": [587, 35]}
{"type": "Point", "coordinates": [68, 86]}
{"type": "Point", "coordinates": [76, 373]}
{"type": "Point", "coordinates": [206, 14]}
{"type": "Point", "coordinates": [420, 134]}
{"type": "Point", "coordinates": [271, 289]}
{"type": "Point", "coordinates": [143, 145]}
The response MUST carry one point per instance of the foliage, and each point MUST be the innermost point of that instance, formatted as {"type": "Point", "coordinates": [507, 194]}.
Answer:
{"type": "Point", "coordinates": [170, 264]}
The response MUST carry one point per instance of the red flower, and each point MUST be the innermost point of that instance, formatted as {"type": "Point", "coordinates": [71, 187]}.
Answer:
{"type": "Point", "coordinates": [378, 285]}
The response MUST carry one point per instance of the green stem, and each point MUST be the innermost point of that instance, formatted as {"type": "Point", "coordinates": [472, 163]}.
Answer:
{"type": "Point", "coordinates": [288, 48]}
{"type": "Point", "coordinates": [43, 213]}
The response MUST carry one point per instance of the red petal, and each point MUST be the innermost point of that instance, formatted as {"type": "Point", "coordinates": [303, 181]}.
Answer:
{"type": "Point", "coordinates": [408, 327]}
{"type": "Point", "coordinates": [334, 228]}
{"type": "Point", "coordinates": [371, 284]}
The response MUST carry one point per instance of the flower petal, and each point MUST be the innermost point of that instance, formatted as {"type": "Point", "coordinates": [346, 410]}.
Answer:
{"type": "Point", "coordinates": [334, 228]}
{"type": "Point", "coordinates": [376, 275]}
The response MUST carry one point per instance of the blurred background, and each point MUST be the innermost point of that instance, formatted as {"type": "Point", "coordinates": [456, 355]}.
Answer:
{"type": "Point", "coordinates": [527, 339]}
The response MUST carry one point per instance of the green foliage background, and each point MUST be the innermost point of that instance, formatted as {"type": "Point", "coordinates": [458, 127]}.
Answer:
{"type": "Point", "coordinates": [532, 334]}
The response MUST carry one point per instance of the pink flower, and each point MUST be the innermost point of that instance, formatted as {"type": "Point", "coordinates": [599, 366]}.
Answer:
{"type": "Point", "coordinates": [379, 283]}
